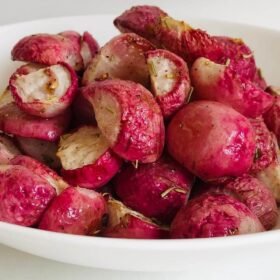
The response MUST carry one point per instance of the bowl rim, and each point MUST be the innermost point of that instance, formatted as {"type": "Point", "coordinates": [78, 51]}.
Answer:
{"type": "Point", "coordinates": [143, 244]}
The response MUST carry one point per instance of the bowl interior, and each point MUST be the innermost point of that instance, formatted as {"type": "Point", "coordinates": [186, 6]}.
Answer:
{"type": "Point", "coordinates": [136, 254]}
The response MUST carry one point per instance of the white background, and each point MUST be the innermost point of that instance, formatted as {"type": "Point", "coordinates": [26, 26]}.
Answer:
{"type": "Point", "coordinates": [15, 265]}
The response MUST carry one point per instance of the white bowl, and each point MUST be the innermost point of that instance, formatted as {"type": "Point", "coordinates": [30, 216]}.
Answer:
{"type": "Point", "coordinates": [256, 254]}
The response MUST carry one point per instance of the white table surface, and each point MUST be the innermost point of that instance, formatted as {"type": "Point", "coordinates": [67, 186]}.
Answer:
{"type": "Point", "coordinates": [15, 265]}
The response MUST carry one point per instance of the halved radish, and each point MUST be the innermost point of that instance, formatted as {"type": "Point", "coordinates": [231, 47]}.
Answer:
{"type": "Point", "coordinates": [49, 49]}
{"type": "Point", "coordinates": [89, 48]}
{"type": "Point", "coordinates": [43, 151]}
{"type": "Point", "coordinates": [123, 58]}
{"type": "Point", "coordinates": [126, 223]}
{"type": "Point", "coordinates": [218, 82]}
{"type": "Point", "coordinates": [24, 195]}
{"type": "Point", "coordinates": [86, 158]}
{"type": "Point", "coordinates": [129, 118]}
{"type": "Point", "coordinates": [170, 80]}
{"type": "Point", "coordinates": [16, 122]}
{"type": "Point", "coordinates": [8, 149]}
{"type": "Point", "coordinates": [75, 211]}
{"type": "Point", "coordinates": [46, 92]}
{"type": "Point", "coordinates": [41, 170]}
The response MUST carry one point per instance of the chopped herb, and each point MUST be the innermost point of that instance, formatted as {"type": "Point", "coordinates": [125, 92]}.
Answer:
{"type": "Point", "coordinates": [175, 189]}
{"type": "Point", "coordinates": [227, 62]}
{"type": "Point", "coordinates": [109, 110]}
{"type": "Point", "coordinates": [189, 96]}
{"type": "Point", "coordinates": [135, 164]}
{"type": "Point", "coordinates": [249, 55]}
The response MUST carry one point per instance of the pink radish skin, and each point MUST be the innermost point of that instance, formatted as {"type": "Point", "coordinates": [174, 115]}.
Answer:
{"type": "Point", "coordinates": [53, 90]}
{"type": "Point", "coordinates": [170, 80]}
{"type": "Point", "coordinates": [86, 158]}
{"type": "Point", "coordinates": [156, 190]}
{"type": "Point", "coordinates": [129, 118]}
{"type": "Point", "coordinates": [214, 215]}
{"type": "Point", "coordinates": [24, 195]}
{"type": "Point", "coordinates": [89, 48]}
{"type": "Point", "coordinates": [41, 170]}
{"type": "Point", "coordinates": [266, 146]}
{"type": "Point", "coordinates": [253, 193]}
{"type": "Point", "coordinates": [49, 49]}
{"type": "Point", "coordinates": [16, 122]}
{"type": "Point", "coordinates": [257, 197]}
{"type": "Point", "coordinates": [266, 165]}
{"type": "Point", "coordinates": [72, 35]}
{"type": "Point", "coordinates": [141, 20]}
{"type": "Point", "coordinates": [211, 140]}
{"type": "Point", "coordinates": [75, 211]}
{"type": "Point", "coordinates": [123, 57]}
{"type": "Point", "coordinates": [218, 82]}
{"type": "Point", "coordinates": [8, 149]}
{"type": "Point", "coordinates": [40, 150]}
{"type": "Point", "coordinates": [125, 223]}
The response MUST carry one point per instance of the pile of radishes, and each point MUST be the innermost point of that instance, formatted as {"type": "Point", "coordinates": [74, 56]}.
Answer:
{"type": "Point", "coordinates": [164, 132]}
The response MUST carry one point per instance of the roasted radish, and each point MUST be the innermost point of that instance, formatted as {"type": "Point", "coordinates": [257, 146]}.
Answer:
{"type": "Point", "coordinates": [125, 223]}
{"type": "Point", "coordinates": [47, 92]}
{"type": "Point", "coordinates": [86, 158]}
{"type": "Point", "coordinates": [253, 193]}
{"type": "Point", "coordinates": [8, 149]}
{"type": "Point", "coordinates": [257, 197]}
{"type": "Point", "coordinates": [15, 121]}
{"type": "Point", "coordinates": [219, 82]}
{"type": "Point", "coordinates": [41, 170]}
{"type": "Point", "coordinates": [49, 49]}
{"type": "Point", "coordinates": [43, 151]}
{"type": "Point", "coordinates": [179, 37]}
{"type": "Point", "coordinates": [211, 140]}
{"type": "Point", "coordinates": [170, 80]}
{"type": "Point", "coordinates": [75, 211]}
{"type": "Point", "coordinates": [142, 20]}
{"type": "Point", "coordinates": [89, 48]}
{"type": "Point", "coordinates": [123, 57]}
{"type": "Point", "coordinates": [129, 118]}
{"type": "Point", "coordinates": [24, 195]}
{"type": "Point", "coordinates": [156, 190]}
{"type": "Point", "coordinates": [213, 215]}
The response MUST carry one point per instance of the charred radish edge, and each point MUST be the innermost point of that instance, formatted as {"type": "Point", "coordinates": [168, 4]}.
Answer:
{"type": "Point", "coordinates": [86, 158]}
